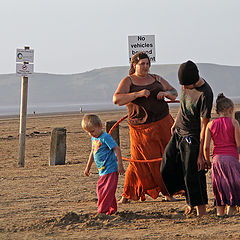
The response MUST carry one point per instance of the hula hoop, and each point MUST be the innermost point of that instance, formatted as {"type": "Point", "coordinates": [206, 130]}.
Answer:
{"type": "Point", "coordinates": [131, 160]}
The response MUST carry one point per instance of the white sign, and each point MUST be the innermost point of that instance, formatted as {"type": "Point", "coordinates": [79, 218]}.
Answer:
{"type": "Point", "coordinates": [144, 43]}
{"type": "Point", "coordinates": [24, 55]}
{"type": "Point", "coordinates": [24, 69]}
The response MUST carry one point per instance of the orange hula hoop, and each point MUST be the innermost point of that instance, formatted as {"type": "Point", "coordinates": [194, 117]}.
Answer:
{"type": "Point", "coordinates": [131, 160]}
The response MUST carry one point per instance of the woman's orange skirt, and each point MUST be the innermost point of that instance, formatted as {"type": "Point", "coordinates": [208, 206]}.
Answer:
{"type": "Point", "coordinates": [148, 141]}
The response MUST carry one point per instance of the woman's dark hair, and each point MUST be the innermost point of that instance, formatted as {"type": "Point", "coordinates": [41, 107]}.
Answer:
{"type": "Point", "coordinates": [223, 103]}
{"type": "Point", "coordinates": [135, 59]}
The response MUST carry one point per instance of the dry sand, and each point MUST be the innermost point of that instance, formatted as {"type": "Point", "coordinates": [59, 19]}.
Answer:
{"type": "Point", "coordinates": [59, 202]}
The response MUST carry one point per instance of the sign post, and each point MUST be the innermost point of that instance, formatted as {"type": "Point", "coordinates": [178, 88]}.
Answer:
{"type": "Point", "coordinates": [23, 70]}
{"type": "Point", "coordinates": [144, 43]}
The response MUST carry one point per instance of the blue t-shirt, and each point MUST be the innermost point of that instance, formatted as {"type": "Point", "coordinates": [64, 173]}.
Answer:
{"type": "Point", "coordinates": [104, 155]}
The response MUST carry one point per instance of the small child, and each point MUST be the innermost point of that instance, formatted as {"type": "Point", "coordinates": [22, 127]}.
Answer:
{"type": "Point", "coordinates": [108, 159]}
{"type": "Point", "coordinates": [225, 133]}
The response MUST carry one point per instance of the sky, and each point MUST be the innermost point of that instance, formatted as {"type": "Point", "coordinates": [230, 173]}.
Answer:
{"type": "Point", "coordinates": [75, 36]}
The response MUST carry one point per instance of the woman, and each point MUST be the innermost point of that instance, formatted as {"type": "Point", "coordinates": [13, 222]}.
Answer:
{"type": "Point", "coordinates": [150, 127]}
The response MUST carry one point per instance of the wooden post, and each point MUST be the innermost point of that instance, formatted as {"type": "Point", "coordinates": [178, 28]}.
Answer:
{"type": "Point", "coordinates": [58, 147]}
{"type": "Point", "coordinates": [115, 132]}
{"type": "Point", "coordinates": [23, 120]}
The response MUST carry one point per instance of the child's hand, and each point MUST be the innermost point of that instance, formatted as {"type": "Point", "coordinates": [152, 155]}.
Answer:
{"type": "Point", "coordinates": [86, 172]}
{"type": "Point", "coordinates": [209, 165]}
{"type": "Point", "coordinates": [121, 169]}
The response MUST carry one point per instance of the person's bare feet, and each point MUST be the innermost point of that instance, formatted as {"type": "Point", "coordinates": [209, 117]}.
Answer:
{"type": "Point", "coordinates": [170, 199]}
{"type": "Point", "coordinates": [231, 210]}
{"type": "Point", "coordinates": [201, 210]}
{"type": "Point", "coordinates": [123, 200]}
{"type": "Point", "coordinates": [188, 210]}
{"type": "Point", "coordinates": [220, 211]}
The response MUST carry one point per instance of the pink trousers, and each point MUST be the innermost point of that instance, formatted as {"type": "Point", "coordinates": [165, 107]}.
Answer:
{"type": "Point", "coordinates": [106, 190]}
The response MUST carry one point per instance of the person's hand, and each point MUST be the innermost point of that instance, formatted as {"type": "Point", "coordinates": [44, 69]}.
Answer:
{"type": "Point", "coordinates": [201, 163]}
{"type": "Point", "coordinates": [161, 95]}
{"type": "Point", "coordinates": [121, 169]}
{"type": "Point", "coordinates": [86, 172]}
{"type": "Point", "coordinates": [144, 93]}
{"type": "Point", "coordinates": [172, 129]}
{"type": "Point", "coordinates": [208, 166]}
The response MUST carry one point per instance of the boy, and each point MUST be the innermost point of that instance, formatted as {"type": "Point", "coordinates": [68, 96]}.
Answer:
{"type": "Point", "coordinates": [108, 159]}
{"type": "Point", "coordinates": [183, 163]}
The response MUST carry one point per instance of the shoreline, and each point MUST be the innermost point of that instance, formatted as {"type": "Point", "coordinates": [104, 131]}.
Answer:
{"type": "Point", "coordinates": [63, 113]}
{"type": "Point", "coordinates": [60, 114]}
{"type": "Point", "coordinates": [172, 109]}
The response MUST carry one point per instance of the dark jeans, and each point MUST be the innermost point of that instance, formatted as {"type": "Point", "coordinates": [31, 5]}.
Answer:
{"type": "Point", "coordinates": [180, 172]}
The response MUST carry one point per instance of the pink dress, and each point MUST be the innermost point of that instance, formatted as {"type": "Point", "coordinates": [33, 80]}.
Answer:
{"type": "Point", "coordinates": [226, 166]}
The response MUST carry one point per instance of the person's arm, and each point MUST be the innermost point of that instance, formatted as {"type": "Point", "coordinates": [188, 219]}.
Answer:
{"type": "Point", "coordinates": [119, 158]}
{"type": "Point", "coordinates": [169, 91]}
{"type": "Point", "coordinates": [174, 123]}
{"type": "Point", "coordinates": [201, 162]}
{"type": "Point", "coordinates": [89, 164]}
{"type": "Point", "coordinates": [122, 96]}
{"type": "Point", "coordinates": [236, 132]}
{"type": "Point", "coordinates": [207, 141]}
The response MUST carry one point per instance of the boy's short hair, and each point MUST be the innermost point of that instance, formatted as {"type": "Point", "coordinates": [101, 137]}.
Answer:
{"type": "Point", "coordinates": [90, 120]}
{"type": "Point", "coordinates": [188, 73]}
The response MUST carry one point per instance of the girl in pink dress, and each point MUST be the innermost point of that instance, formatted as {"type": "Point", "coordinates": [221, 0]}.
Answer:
{"type": "Point", "coordinates": [225, 133]}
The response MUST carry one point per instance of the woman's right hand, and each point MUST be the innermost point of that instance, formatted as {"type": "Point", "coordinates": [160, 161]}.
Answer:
{"type": "Point", "coordinates": [143, 93]}
{"type": "Point", "coordinates": [123, 96]}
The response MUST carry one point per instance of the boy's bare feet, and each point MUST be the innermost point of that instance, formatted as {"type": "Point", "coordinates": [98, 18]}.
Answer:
{"type": "Point", "coordinates": [201, 210]}
{"type": "Point", "coordinates": [188, 210]}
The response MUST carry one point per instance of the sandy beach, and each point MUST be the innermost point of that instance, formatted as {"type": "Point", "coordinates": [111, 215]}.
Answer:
{"type": "Point", "coordinates": [58, 202]}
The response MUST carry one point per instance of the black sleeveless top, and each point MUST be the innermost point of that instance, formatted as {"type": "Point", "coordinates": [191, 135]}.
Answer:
{"type": "Point", "coordinates": [146, 110]}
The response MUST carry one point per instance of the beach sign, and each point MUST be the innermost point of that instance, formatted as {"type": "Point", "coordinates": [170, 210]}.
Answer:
{"type": "Point", "coordinates": [24, 55]}
{"type": "Point", "coordinates": [24, 69]}
{"type": "Point", "coordinates": [145, 43]}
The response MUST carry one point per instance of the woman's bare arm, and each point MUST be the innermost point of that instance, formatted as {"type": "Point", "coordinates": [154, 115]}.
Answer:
{"type": "Point", "coordinates": [169, 91]}
{"type": "Point", "coordinates": [122, 96]}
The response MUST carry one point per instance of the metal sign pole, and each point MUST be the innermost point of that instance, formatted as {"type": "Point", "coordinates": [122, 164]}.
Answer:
{"type": "Point", "coordinates": [23, 120]}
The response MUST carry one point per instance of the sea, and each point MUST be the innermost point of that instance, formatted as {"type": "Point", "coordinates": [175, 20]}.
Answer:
{"type": "Point", "coordinates": [72, 107]}
{"type": "Point", "coordinates": [60, 108]}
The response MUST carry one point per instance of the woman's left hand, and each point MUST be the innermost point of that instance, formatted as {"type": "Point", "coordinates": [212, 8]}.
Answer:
{"type": "Point", "coordinates": [161, 95]}
{"type": "Point", "coordinates": [169, 91]}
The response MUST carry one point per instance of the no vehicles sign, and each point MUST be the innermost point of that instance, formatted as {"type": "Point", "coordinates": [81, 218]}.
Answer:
{"type": "Point", "coordinates": [145, 43]}
{"type": "Point", "coordinates": [24, 69]}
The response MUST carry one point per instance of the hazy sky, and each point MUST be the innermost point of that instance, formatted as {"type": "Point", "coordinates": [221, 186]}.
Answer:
{"type": "Point", "coordinates": [73, 36]}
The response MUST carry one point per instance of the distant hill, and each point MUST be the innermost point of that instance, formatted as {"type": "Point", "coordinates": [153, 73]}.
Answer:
{"type": "Point", "coordinates": [99, 85]}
